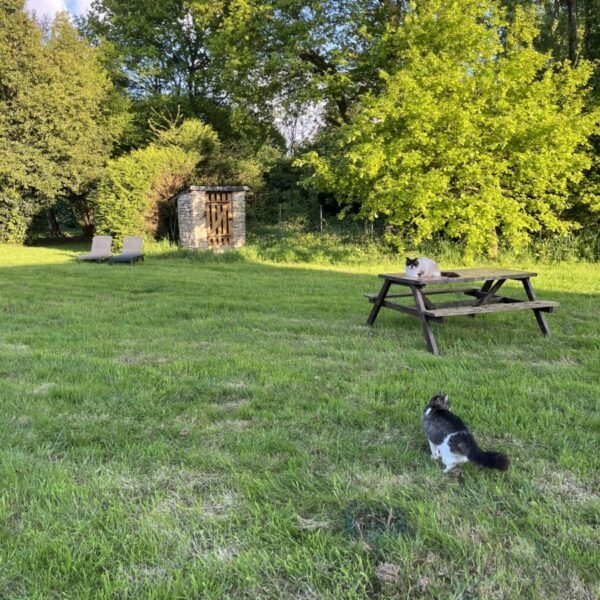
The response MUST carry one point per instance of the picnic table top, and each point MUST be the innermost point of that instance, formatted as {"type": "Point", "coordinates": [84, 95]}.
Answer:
{"type": "Point", "coordinates": [459, 276]}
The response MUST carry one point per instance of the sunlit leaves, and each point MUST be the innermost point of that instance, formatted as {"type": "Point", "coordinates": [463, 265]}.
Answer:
{"type": "Point", "coordinates": [133, 184]}
{"type": "Point", "coordinates": [475, 134]}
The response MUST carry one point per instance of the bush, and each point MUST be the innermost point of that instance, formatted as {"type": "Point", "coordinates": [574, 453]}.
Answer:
{"type": "Point", "coordinates": [135, 187]}
{"type": "Point", "coordinates": [15, 216]}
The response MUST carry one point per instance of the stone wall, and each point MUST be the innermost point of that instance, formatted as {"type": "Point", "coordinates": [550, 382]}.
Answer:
{"type": "Point", "coordinates": [192, 216]}
{"type": "Point", "coordinates": [239, 218]}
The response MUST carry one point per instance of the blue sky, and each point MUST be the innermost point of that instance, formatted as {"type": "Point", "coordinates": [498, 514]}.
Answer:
{"type": "Point", "coordinates": [51, 7]}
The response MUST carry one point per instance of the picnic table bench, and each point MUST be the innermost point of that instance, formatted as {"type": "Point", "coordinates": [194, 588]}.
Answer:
{"type": "Point", "coordinates": [484, 299]}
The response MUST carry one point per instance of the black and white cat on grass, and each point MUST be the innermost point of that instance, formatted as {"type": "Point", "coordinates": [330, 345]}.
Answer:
{"type": "Point", "coordinates": [450, 439]}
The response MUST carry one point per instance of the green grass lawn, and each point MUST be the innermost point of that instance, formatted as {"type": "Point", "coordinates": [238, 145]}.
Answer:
{"type": "Point", "coordinates": [228, 428]}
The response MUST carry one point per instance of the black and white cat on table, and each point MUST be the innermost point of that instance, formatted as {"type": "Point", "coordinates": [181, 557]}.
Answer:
{"type": "Point", "coordinates": [422, 267]}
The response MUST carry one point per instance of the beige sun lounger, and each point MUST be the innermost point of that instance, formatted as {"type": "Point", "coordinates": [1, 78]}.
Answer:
{"type": "Point", "coordinates": [132, 250]}
{"type": "Point", "coordinates": [100, 249]}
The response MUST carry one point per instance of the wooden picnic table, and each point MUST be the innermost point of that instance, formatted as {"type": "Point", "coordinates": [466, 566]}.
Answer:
{"type": "Point", "coordinates": [484, 299]}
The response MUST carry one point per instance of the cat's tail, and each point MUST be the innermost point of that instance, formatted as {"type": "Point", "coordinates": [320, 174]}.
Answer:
{"type": "Point", "coordinates": [464, 443]}
{"type": "Point", "coordinates": [491, 460]}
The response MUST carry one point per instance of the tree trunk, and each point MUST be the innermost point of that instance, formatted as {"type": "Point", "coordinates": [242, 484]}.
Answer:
{"type": "Point", "coordinates": [572, 29]}
{"type": "Point", "coordinates": [493, 244]}
{"type": "Point", "coordinates": [53, 224]}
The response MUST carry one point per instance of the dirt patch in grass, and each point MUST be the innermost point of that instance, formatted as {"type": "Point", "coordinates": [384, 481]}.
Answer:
{"type": "Point", "coordinates": [307, 524]}
{"type": "Point", "coordinates": [575, 588]}
{"type": "Point", "coordinates": [204, 547]}
{"type": "Point", "coordinates": [232, 404]}
{"type": "Point", "coordinates": [429, 477]}
{"type": "Point", "coordinates": [219, 505]}
{"type": "Point", "coordinates": [43, 388]}
{"type": "Point", "coordinates": [142, 359]}
{"type": "Point", "coordinates": [566, 486]}
{"type": "Point", "coordinates": [388, 572]}
{"type": "Point", "coordinates": [15, 348]}
{"type": "Point", "coordinates": [189, 486]}
{"type": "Point", "coordinates": [21, 422]}
{"type": "Point", "coordinates": [143, 573]}
{"type": "Point", "coordinates": [551, 364]}
{"type": "Point", "coordinates": [237, 384]}
{"type": "Point", "coordinates": [229, 425]}
{"type": "Point", "coordinates": [369, 521]}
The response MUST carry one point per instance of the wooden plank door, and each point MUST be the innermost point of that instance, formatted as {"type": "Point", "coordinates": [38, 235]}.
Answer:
{"type": "Point", "coordinates": [219, 219]}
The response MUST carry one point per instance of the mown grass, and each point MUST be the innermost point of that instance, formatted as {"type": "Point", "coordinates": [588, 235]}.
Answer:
{"type": "Point", "coordinates": [201, 427]}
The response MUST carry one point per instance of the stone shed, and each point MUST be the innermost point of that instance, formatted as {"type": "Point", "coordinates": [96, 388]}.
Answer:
{"type": "Point", "coordinates": [212, 217]}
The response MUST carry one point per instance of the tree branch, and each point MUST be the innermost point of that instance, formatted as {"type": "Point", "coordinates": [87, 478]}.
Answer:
{"type": "Point", "coordinates": [324, 67]}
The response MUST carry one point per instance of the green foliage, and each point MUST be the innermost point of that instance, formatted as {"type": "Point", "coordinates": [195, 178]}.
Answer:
{"type": "Point", "coordinates": [475, 134]}
{"type": "Point", "coordinates": [281, 198]}
{"type": "Point", "coordinates": [55, 128]}
{"type": "Point", "coordinates": [162, 46]}
{"type": "Point", "coordinates": [230, 165]}
{"type": "Point", "coordinates": [288, 243]}
{"type": "Point", "coordinates": [162, 54]}
{"type": "Point", "coordinates": [135, 184]}
{"type": "Point", "coordinates": [15, 216]}
{"type": "Point", "coordinates": [564, 23]}
{"type": "Point", "coordinates": [191, 136]}
{"type": "Point", "coordinates": [123, 205]}
{"type": "Point", "coordinates": [290, 52]}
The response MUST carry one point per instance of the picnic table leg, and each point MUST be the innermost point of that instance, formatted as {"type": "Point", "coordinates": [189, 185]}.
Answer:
{"type": "Point", "coordinates": [429, 305]}
{"type": "Point", "coordinates": [485, 288]}
{"type": "Point", "coordinates": [377, 304]}
{"type": "Point", "coordinates": [539, 315]}
{"type": "Point", "coordinates": [487, 292]}
{"type": "Point", "coordinates": [425, 324]}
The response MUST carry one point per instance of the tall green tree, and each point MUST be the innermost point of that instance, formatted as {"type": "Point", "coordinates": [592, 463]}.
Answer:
{"type": "Point", "coordinates": [162, 45]}
{"type": "Point", "coordinates": [20, 53]}
{"type": "Point", "coordinates": [297, 52]}
{"type": "Point", "coordinates": [56, 128]}
{"type": "Point", "coordinates": [234, 63]}
{"type": "Point", "coordinates": [165, 53]}
{"type": "Point", "coordinates": [475, 134]}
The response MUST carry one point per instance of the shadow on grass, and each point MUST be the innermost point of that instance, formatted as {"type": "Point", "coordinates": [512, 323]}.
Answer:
{"type": "Point", "coordinates": [273, 244]}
